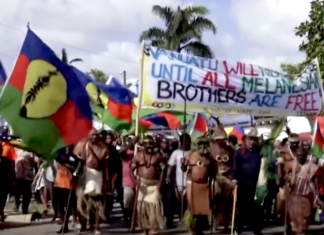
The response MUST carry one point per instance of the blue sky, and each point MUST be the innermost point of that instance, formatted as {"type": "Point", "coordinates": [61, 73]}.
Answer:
{"type": "Point", "coordinates": [105, 33]}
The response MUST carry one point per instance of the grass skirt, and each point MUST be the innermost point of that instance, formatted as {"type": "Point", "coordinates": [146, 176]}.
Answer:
{"type": "Point", "coordinates": [149, 205]}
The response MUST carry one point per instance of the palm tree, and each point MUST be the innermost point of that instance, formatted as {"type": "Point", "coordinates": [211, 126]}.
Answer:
{"type": "Point", "coordinates": [66, 60]}
{"type": "Point", "coordinates": [98, 75]}
{"type": "Point", "coordinates": [184, 28]}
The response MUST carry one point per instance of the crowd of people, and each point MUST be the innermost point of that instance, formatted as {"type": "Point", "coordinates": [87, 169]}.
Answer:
{"type": "Point", "coordinates": [163, 178]}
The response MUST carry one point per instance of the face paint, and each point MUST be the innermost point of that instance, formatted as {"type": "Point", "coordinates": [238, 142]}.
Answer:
{"type": "Point", "coordinates": [203, 148]}
{"type": "Point", "coordinates": [149, 146]}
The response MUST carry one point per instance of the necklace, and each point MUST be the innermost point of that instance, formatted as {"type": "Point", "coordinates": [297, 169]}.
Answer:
{"type": "Point", "coordinates": [201, 161]}
{"type": "Point", "coordinates": [147, 164]}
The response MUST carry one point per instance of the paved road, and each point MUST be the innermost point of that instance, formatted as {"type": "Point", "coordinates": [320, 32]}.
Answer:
{"type": "Point", "coordinates": [117, 227]}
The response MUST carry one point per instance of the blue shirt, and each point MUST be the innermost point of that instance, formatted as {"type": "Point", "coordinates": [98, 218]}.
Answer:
{"type": "Point", "coordinates": [246, 167]}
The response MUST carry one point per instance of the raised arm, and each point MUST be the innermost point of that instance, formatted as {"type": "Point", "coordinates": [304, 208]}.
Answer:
{"type": "Point", "coordinates": [127, 146]}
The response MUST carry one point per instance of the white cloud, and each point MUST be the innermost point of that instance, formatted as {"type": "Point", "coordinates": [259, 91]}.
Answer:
{"type": "Point", "coordinates": [107, 30]}
{"type": "Point", "coordinates": [227, 40]}
{"type": "Point", "coordinates": [268, 25]}
{"type": "Point", "coordinates": [105, 33]}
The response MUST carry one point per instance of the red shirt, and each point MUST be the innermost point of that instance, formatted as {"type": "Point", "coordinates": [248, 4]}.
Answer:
{"type": "Point", "coordinates": [126, 165]}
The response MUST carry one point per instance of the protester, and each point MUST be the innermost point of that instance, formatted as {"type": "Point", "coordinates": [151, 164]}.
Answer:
{"type": "Point", "coordinates": [246, 168]}
{"type": "Point", "coordinates": [222, 152]}
{"type": "Point", "coordinates": [114, 171]}
{"type": "Point", "coordinates": [174, 167]}
{"type": "Point", "coordinates": [150, 167]}
{"type": "Point", "coordinates": [272, 186]}
{"type": "Point", "coordinates": [49, 177]}
{"type": "Point", "coordinates": [126, 154]}
{"type": "Point", "coordinates": [25, 168]}
{"type": "Point", "coordinates": [202, 171]}
{"type": "Point", "coordinates": [7, 176]}
{"type": "Point", "coordinates": [95, 181]}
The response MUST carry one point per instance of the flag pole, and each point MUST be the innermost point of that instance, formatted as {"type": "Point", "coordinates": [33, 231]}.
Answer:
{"type": "Point", "coordinates": [140, 93]}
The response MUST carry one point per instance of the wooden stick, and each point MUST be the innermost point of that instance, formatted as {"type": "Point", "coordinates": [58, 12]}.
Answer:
{"type": "Point", "coordinates": [212, 206]}
{"type": "Point", "coordinates": [67, 209]}
{"type": "Point", "coordinates": [134, 216]}
{"type": "Point", "coordinates": [286, 206]}
{"type": "Point", "coordinates": [234, 207]}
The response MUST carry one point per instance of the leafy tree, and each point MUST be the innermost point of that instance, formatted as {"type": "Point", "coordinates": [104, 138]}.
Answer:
{"type": "Point", "coordinates": [312, 30]}
{"type": "Point", "coordinates": [292, 69]}
{"type": "Point", "coordinates": [98, 75]}
{"type": "Point", "coordinates": [66, 60]}
{"type": "Point", "coordinates": [184, 29]}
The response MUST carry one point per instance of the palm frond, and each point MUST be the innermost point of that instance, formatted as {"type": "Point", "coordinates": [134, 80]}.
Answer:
{"type": "Point", "coordinates": [194, 11]}
{"type": "Point", "coordinates": [198, 48]}
{"type": "Point", "coordinates": [158, 43]}
{"type": "Point", "coordinates": [165, 13]}
{"type": "Point", "coordinates": [76, 60]}
{"type": "Point", "coordinates": [153, 34]}
{"type": "Point", "coordinates": [65, 56]}
{"type": "Point", "coordinates": [200, 24]}
{"type": "Point", "coordinates": [277, 129]}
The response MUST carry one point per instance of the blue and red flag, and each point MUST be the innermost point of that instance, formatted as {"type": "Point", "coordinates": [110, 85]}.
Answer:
{"type": "Point", "coordinates": [44, 101]}
{"type": "Point", "coordinates": [113, 105]}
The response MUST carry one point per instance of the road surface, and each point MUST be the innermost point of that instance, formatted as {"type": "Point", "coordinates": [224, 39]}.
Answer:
{"type": "Point", "coordinates": [46, 227]}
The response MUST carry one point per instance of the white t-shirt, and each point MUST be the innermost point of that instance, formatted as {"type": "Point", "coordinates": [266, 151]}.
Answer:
{"type": "Point", "coordinates": [175, 160]}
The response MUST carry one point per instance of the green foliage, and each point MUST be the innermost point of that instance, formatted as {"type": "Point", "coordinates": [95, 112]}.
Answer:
{"type": "Point", "coordinates": [312, 31]}
{"type": "Point", "coordinates": [184, 29]}
{"type": "Point", "coordinates": [98, 75]}
{"type": "Point", "coordinates": [188, 223]}
{"type": "Point", "coordinates": [268, 145]}
{"type": "Point", "coordinates": [292, 69]}
{"type": "Point", "coordinates": [66, 60]}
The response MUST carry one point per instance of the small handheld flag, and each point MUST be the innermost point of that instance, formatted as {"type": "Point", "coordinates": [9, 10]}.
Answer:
{"type": "Point", "coordinates": [318, 141]}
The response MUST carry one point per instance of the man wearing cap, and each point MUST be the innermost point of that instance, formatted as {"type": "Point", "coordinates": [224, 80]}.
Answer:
{"type": "Point", "coordinates": [246, 168]}
{"type": "Point", "coordinates": [222, 152]}
{"type": "Point", "coordinates": [299, 149]}
{"type": "Point", "coordinates": [150, 167]}
{"type": "Point", "coordinates": [201, 170]}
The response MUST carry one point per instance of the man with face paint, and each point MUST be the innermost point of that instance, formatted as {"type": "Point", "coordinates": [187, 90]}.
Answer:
{"type": "Point", "coordinates": [201, 170]}
{"type": "Point", "coordinates": [222, 153]}
{"type": "Point", "coordinates": [246, 168]}
{"type": "Point", "coordinates": [150, 167]}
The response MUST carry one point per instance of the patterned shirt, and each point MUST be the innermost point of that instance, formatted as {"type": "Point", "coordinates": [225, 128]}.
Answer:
{"type": "Point", "coordinates": [24, 166]}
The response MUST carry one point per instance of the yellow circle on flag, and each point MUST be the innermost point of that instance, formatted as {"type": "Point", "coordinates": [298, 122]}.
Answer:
{"type": "Point", "coordinates": [45, 90]}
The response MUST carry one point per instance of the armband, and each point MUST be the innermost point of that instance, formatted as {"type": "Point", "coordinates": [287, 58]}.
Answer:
{"type": "Point", "coordinates": [162, 166]}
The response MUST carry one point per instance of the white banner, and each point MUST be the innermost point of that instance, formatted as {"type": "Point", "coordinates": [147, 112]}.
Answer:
{"type": "Point", "coordinates": [222, 87]}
